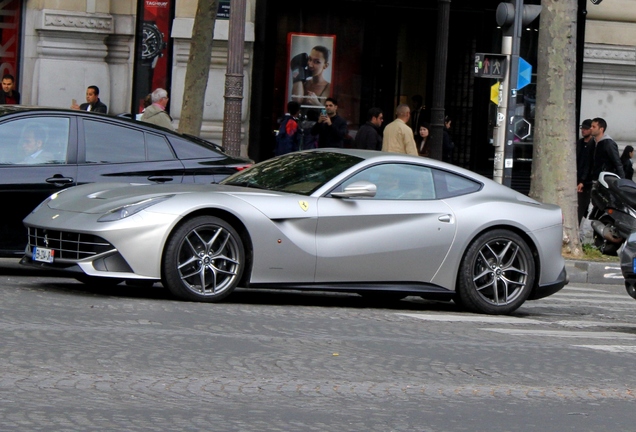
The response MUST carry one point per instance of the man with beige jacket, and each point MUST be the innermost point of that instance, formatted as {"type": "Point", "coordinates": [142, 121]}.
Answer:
{"type": "Point", "coordinates": [398, 136]}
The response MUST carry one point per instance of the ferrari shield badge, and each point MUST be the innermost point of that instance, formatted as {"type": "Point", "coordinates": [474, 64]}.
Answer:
{"type": "Point", "coordinates": [303, 205]}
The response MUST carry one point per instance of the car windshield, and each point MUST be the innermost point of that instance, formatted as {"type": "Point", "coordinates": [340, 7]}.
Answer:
{"type": "Point", "coordinates": [301, 173]}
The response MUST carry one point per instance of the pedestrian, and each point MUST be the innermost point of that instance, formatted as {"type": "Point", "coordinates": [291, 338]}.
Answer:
{"type": "Point", "coordinates": [93, 103]}
{"type": "Point", "coordinates": [368, 136]}
{"type": "Point", "coordinates": [9, 95]}
{"type": "Point", "coordinates": [447, 141]}
{"type": "Point", "coordinates": [309, 140]}
{"type": "Point", "coordinates": [584, 154]}
{"type": "Point", "coordinates": [330, 128]}
{"type": "Point", "coordinates": [606, 156]}
{"type": "Point", "coordinates": [626, 159]}
{"type": "Point", "coordinates": [156, 113]}
{"type": "Point", "coordinates": [421, 140]}
{"type": "Point", "coordinates": [147, 103]}
{"type": "Point", "coordinates": [287, 139]}
{"type": "Point", "coordinates": [398, 136]}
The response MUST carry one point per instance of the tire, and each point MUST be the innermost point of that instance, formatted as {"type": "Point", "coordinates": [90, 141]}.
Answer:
{"type": "Point", "coordinates": [203, 260]}
{"type": "Point", "coordinates": [496, 274]}
{"type": "Point", "coordinates": [99, 282]}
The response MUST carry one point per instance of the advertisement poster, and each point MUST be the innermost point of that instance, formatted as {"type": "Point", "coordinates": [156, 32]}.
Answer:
{"type": "Point", "coordinates": [311, 63]}
{"type": "Point", "coordinates": [153, 55]}
{"type": "Point", "coordinates": [10, 19]}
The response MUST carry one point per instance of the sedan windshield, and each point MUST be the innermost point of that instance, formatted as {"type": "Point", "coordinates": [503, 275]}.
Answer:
{"type": "Point", "coordinates": [301, 173]}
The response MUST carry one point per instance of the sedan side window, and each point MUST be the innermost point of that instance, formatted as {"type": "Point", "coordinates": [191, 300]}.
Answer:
{"type": "Point", "coordinates": [110, 143]}
{"type": "Point", "coordinates": [158, 148]}
{"type": "Point", "coordinates": [34, 141]}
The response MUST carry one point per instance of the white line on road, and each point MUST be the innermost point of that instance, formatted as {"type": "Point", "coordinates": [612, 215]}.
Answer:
{"type": "Point", "coordinates": [610, 348]}
{"type": "Point", "coordinates": [564, 334]}
{"type": "Point", "coordinates": [471, 318]}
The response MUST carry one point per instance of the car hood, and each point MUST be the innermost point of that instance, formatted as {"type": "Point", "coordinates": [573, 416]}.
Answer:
{"type": "Point", "coordinates": [102, 197]}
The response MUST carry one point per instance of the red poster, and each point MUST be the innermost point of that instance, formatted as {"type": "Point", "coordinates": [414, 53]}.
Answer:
{"type": "Point", "coordinates": [153, 54]}
{"type": "Point", "coordinates": [10, 19]}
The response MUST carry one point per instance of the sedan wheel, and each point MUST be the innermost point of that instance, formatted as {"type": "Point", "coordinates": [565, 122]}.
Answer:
{"type": "Point", "coordinates": [496, 273]}
{"type": "Point", "coordinates": [204, 260]}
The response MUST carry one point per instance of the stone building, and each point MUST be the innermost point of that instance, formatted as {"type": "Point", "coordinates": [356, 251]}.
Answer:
{"type": "Point", "coordinates": [384, 52]}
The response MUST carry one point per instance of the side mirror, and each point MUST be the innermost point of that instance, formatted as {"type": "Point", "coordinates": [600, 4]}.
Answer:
{"type": "Point", "coordinates": [357, 189]}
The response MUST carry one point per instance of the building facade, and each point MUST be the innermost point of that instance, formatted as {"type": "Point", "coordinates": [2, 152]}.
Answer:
{"type": "Point", "coordinates": [382, 53]}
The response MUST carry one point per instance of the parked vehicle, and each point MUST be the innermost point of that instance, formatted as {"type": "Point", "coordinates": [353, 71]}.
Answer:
{"type": "Point", "coordinates": [43, 151]}
{"type": "Point", "coordinates": [374, 223]}
{"type": "Point", "coordinates": [613, 219]}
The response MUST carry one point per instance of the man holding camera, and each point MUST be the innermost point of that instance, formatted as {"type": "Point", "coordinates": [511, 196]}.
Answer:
{"type": "Point", "coordinates": [330, 128]}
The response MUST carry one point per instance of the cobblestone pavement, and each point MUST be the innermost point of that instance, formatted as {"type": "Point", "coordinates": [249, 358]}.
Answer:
{"type": "Point", "coordinates": [79, 358]}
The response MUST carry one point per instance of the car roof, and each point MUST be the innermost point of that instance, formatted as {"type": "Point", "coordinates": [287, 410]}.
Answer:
{"type": "Point", "coordinates": [8, 110]}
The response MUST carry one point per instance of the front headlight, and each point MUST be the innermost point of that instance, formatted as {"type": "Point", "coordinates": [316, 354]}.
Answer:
{"type": "Point", "coordinates": [131, 209]}
{"type": "Point", "coordinates": [46, 201]}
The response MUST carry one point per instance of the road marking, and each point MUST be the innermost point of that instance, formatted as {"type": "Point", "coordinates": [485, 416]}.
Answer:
{"type": "Point", "coordinates": [564, 334]}
{"type": "Point", "coordinates": [472, 318]}
{"type": "Point", "coordinates": [583, 324]}
{"type": "Point", "coordinates": [610, 348]}
{"type": "Point", "coordinates": [583, 295]}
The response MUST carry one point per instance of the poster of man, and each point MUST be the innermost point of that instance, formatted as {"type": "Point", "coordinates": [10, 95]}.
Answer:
{"type": "Point", "coordinates": [311, 66]}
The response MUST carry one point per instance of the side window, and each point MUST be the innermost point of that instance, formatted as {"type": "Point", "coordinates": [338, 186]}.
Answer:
{"type": "Point", "coordinates": [448, 185]}
{"type": "Point", "coordinates": [110, 143]}
{"type": "Point", "coordinates": [192, 150]}
{"type": "Point", "coordinates": [34, 141]}
{"type": "Point", "coordinates": [158, 148]}
{"type": "Point", "coordinates": [398, 181]}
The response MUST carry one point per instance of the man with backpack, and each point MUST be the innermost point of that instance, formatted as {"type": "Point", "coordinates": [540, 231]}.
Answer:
{"type": "Point", "coordinates": [287, 139]}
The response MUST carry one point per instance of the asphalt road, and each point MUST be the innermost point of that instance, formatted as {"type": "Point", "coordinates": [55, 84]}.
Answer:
{"type": "Point", "coordinates": [80, 358]}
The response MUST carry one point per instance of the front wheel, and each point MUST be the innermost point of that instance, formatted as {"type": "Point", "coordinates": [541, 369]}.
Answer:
{"type": "Point", "coordinates": [204, 260]}
{"type": "Point", "coordinates": [496, 274]}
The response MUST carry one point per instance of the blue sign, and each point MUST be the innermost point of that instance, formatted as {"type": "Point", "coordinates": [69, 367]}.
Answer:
{"type": "Point", "coordinates": [525, 74]}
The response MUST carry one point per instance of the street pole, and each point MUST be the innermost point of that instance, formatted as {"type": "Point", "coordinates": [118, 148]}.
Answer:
{"type": "Point", "coordinates": [499, 138]}
{"type": "Point", "coordinates": [511, 94]}
{"type": "Point", "coordinates": [234, 79]}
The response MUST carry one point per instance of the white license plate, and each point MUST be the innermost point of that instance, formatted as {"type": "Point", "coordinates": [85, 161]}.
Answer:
{"type": "Point", "coordinates": [43, 254]}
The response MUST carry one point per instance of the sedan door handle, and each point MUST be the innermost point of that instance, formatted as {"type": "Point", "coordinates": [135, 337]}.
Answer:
{"type": "Point", "coordinates": [160, 179]}
{"type": "Point", "coordinates": [444, 218]}
{"type": "Point", "coordinates": [59, 180]}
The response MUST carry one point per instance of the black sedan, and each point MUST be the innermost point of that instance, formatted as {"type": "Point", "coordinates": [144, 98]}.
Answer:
{"type": "Point", "coordinates": [44, 150]}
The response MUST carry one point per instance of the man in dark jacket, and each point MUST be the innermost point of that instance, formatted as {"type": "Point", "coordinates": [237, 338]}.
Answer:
{"type": "Point", "coordinates": [584, 154]}
{"type": "Point", "coordinates": [330, 128]}
{"type": "Point", "coordinates": [368, 137]}
{"type": "Point", "coordinates": [9, 95]}
{"type": "Point", "coordinates": [606, 157]}
{"type": "Point", "coordinates": [92, 102]}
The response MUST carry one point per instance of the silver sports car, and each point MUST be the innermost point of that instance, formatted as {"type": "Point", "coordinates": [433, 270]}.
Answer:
{"type": "Point", "coordinates": [380, 224]}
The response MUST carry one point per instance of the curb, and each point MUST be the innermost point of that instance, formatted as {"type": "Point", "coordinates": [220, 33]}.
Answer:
{"type": "Point", "coordinates": [594, 272]}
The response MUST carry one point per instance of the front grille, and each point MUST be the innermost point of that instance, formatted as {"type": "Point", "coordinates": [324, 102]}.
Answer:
{"type": "Point", "coordinates": [68, 245]}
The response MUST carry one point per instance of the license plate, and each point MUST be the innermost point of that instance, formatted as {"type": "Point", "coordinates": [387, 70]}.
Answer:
{"type": "Point", "coordinates": [43, 254]}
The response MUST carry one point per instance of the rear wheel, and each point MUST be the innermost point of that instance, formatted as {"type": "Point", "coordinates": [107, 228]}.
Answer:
{"type": "Point", "coordinates": [204, 260]}
{"type": "Point", "coordinates": [496, 274]}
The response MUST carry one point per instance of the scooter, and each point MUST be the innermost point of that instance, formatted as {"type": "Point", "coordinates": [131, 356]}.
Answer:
{"type": "Point", "coordinates": [613, 219]}
{"type": "Point", "coordinates": [613, 214]}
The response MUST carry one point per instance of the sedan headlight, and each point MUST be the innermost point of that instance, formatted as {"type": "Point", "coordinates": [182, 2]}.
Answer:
{"type": "Point", "coordinates": [131, 209]}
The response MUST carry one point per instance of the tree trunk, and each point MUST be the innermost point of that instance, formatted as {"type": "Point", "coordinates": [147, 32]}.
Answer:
{"type": "Point", "coordinates": [554, 154]}
{"type": "Point", "coordinates": [198, 70]}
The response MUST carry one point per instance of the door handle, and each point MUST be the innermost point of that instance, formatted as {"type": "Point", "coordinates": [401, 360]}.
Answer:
{"type": "Point", "coordinates": [160, 179]}
{"type": "Point", "coordinates": [444, 218]}
{"type": "Point", "coordinates": [59, 180]}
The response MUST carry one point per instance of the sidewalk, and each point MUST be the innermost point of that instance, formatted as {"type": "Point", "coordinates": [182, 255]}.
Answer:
{"type": "Point", "coordinates": [594, 272]}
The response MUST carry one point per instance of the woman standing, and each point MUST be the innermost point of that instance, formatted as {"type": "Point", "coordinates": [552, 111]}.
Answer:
{"type": "Point", "coordinates": [626, 159]}
{"type": "Point", "coordinates": [421, 140]}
